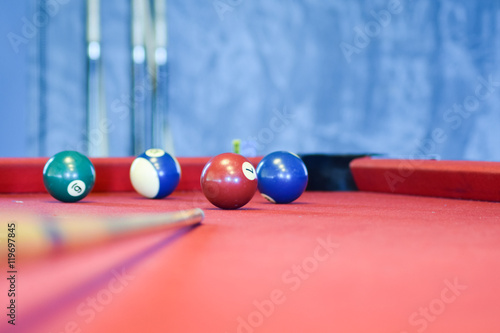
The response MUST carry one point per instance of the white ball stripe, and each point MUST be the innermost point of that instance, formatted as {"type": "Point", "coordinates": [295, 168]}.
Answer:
{"type": "Point", "coordinates": [144, 178]}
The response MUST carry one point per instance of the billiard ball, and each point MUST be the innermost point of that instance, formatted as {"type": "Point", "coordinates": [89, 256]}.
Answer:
{"type": "Point", "coordinates": [69, 176]}
{"type": "Point", "coordinates": [282, 177]}
{"type": "Point", "coordinates": [155, 174]}
{"type": "Point", "coordinates": [229, 181]}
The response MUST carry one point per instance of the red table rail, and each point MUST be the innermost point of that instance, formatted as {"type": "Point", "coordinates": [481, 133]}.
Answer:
{"type": "Point", "coordinates": [25, 175]}
{"type": "Point", "coordinates": [447, 179]}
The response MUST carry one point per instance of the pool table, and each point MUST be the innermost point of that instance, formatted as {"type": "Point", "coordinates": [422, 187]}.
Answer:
{"type": "Point", "coordinates": [408, 254]}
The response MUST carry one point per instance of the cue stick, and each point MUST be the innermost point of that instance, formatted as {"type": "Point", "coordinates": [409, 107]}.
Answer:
{"type": "Point", "coordinates": [141, 87]}
{"type": "Point", "coordinates": [162, 134]}
{"type": "Point", "coordinates": [150, 45]}
{"type": "Point", "coordinates": [41, 236]}
{"type": "Point", "coordinates": [149, 38]}
{"type": "Point", "coordinates": [40, 119]}
{"type": "Point", "coordinates": [97, 138]}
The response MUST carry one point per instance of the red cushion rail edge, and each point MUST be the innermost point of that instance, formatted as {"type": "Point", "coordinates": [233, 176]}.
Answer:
{"type": "Point", "coordinates": [25, 175]}
{"type": "Point", "coordinates": [449, 179]}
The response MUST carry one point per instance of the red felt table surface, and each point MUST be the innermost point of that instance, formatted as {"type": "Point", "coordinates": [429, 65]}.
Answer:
{"type": "Point", "coordinates": [331, 262]}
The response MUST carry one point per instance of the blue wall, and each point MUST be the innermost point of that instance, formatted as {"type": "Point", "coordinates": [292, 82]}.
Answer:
{"type": "Point", "coordinates": [13, 85]}
{"type": "Point", "coordinates": [400, 77]}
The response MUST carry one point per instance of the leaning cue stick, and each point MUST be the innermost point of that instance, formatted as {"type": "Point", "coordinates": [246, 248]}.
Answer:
{"type": "Point", "coordinates": [141, 87]}
{"type": "Point", "coordinates": [149, 43]}
{"type": "Point", "coordinates": [37, 236]}
{"type": "Point", "coordinates": [97, 137]}
{"type": "Point", "coordinates": [38, 118]}
{"type": "Point", "coordinates": [162, 134]}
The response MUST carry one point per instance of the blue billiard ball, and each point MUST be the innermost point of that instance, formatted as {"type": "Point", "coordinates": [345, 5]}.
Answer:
{"type": "Point", "coordinates": [155, 174]}
{"type": "Point", "coordinates": [282, 177]}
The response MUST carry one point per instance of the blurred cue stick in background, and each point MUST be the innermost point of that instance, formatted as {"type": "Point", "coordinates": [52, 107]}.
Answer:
{"type": "Point", "coordinates": [38, 237]}
{"type": "Point", "coordinates": [97, 136]}
{"type": "Point", "coordinates": [149, 78]}
{"type": "Point", "coordinates": [142, 84]}
{"type": "Point", "coordinates": [162, 135]}
{"type": "Point", "coordinates": [37, 115]}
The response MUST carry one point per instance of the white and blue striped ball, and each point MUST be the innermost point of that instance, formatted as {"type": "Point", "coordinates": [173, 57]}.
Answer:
{"type": "Point", "coordinates": [155, 174]}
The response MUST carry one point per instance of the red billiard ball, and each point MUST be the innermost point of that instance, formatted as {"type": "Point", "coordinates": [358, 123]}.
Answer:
{"type": "Point", "coordinates": [229, 181]}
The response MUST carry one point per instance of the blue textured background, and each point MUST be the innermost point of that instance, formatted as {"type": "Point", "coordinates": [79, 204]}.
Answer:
{"type": "Point", "coordinates": [235, 65]}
